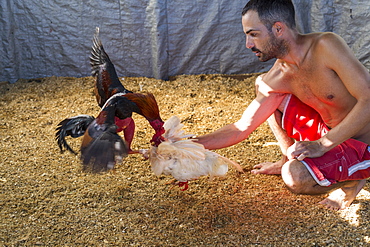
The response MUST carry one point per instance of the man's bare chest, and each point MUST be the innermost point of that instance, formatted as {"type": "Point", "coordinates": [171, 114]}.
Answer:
{"type": "Point", "coordinates": [315, 87]}
{"type": "Point", "coordinates": [322, 90]}
{"type": "Point", "coordinates": [310, 82]}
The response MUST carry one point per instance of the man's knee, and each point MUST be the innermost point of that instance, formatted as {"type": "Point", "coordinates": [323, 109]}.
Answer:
{"type": "Point", "coordinates": [296, 177]}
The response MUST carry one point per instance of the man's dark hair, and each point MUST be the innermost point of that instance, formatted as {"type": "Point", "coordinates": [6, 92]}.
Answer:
{"type": "Point", "coordinates": [271, 11]}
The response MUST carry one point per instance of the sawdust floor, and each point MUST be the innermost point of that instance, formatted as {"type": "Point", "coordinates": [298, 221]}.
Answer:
{"type": "Point", "coordinates": [46, 200]}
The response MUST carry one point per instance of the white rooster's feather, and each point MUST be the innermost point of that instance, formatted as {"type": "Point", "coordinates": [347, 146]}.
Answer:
{"type": "Point", "coordinates": [174, 131]}
{"type": "Point", "coordinates": [185, 159]}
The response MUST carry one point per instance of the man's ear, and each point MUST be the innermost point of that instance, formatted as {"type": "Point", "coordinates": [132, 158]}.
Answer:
{"type": "Point", "coordinates": [278, 28]}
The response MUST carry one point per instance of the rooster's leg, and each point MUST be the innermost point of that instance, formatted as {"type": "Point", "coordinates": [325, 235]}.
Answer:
{"type": "Point", "coordinates": [128, 127]}
{"type": "Point", "coordinates": [129, 133]}
{"type": "Point", "coordinates": [183, 184]}
{"type": "Point", "coordinates": [180, 184]}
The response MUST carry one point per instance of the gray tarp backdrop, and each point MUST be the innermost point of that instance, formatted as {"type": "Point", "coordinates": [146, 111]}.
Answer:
{"type": "Point", "coordinates": [154, 38]}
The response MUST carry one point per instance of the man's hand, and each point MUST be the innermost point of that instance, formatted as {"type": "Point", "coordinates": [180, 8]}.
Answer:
{"type": "Point", "coordinates": [305, 149]}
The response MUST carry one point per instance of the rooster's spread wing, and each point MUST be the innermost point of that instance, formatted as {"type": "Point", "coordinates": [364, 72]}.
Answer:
{"type": "Point", "coordinates": [102, 148]}
{"type": "Point", "coordinates": [107, 82]}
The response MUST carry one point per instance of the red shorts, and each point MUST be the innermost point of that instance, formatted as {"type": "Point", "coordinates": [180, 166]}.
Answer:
{"type": "Point", "coordinates": [348, 161]}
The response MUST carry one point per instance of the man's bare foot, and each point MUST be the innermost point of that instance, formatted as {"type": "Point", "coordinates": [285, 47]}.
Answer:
{"type": "Point", "coordinates": [269, 168]}
{"type": "Point", "coordinates": [341, 198]}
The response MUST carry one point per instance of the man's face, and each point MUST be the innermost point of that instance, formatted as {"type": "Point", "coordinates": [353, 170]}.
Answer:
{"type": "Point", "coordinates": [260, 40]}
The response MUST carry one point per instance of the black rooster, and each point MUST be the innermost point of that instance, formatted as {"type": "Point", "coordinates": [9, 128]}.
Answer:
{"type": "Point", "coordinates": [101, 146]}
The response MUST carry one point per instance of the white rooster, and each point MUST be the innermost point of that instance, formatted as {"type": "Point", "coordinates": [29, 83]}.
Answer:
{"type": "Point", "coordinates": [185, 159]}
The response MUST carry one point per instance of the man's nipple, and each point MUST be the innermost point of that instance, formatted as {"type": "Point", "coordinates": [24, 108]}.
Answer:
{"type": "Point", "coordinates": [330, 97]}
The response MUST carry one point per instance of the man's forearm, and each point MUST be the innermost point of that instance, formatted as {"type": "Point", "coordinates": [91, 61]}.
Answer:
{"type": "Point", "coordinates": [356, 120]}
{"type": "Point", "coordinates": [225, 137]}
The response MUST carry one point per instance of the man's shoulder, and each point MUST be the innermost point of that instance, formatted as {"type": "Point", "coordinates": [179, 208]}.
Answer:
{"type": "Point", "coordinates": [322, 35]}
{"type": "Point", "coordinates": [273, 81]}
{"type": "Point", "coordinates": [325, 40]}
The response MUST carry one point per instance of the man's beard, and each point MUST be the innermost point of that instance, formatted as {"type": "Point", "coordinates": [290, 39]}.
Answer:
{"type": "Point", "coordinates": [274, 49]}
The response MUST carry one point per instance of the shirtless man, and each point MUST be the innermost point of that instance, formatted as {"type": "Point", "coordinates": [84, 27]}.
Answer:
{"type": "Point", "coordinates": [321, 71]}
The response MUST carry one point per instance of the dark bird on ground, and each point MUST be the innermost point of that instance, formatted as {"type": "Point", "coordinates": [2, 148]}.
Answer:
{"type": "Point", "coordinates": [101, 146]}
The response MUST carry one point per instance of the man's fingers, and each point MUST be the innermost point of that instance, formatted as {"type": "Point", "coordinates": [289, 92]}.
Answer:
{"type": "Point", "coordinates": [301, 157]}
{"type": "Point", "coordinates": [294, 152]}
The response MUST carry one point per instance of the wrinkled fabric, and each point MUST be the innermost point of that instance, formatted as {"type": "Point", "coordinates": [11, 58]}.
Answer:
{"type": "Point", "coordinates": [153, 38]}
{"type": "Point", "coordinates": [349, 160]}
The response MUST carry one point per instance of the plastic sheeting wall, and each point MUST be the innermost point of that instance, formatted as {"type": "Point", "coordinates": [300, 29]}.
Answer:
{"type": "Point", "coordinates": [153, 38]}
